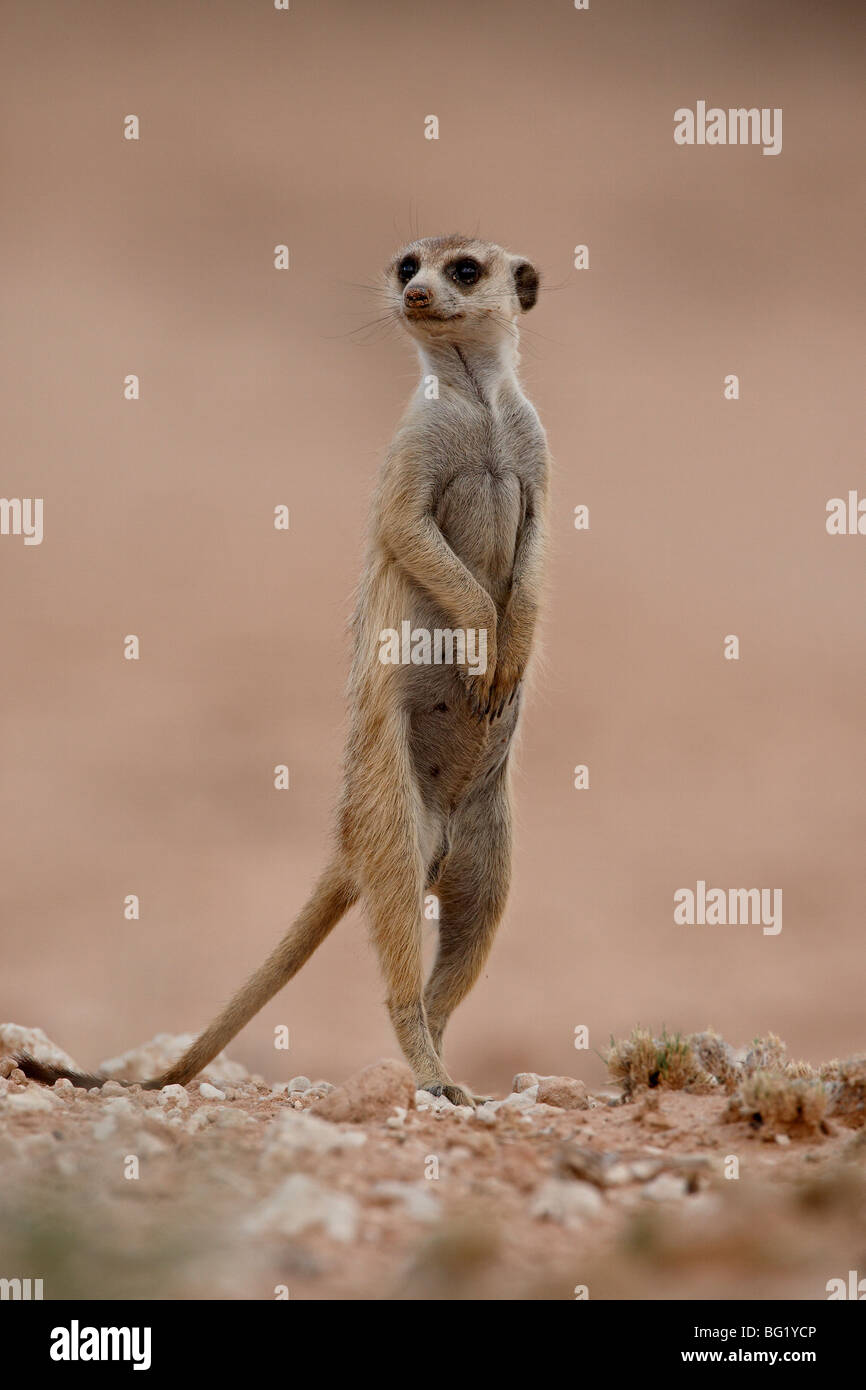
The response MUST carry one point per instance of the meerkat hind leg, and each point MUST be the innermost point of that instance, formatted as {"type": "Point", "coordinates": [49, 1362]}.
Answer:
{"type": "Point", "coordinates": [472, 893]}
{"type": "Point", "coordinates": [395, 913]}
{"type": "Point", "coordinates": [395, 879]}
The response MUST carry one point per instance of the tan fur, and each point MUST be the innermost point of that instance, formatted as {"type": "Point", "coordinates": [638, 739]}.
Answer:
{"type": "Point", "coordinates": [456, 542]}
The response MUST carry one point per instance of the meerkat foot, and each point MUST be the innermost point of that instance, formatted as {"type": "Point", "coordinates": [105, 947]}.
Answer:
{"type": "Point", "coordinates": [457, 1095]}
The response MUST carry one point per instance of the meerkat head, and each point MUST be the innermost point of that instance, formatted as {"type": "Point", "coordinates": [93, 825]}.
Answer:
{"type": "Point", "coordinates": [460, 290]}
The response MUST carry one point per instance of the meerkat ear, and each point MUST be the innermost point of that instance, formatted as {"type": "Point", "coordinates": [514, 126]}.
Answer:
{"type": "Point", "coordinates": [525, 284]}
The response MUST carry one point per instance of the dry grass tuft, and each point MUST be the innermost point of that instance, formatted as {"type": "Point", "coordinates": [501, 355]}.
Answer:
{"type": "Point", "coordinates": [641, 1062]}
{"type": "Point", "coordinates": [779, 1104]}
{"type": "Point", "coordinates": [846, 1083]}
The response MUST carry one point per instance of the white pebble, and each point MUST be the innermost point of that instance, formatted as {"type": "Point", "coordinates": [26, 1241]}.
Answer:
{"type": "Point", "coordinates": [230, 1119]}
{"type": "Point", "coordinates": [209, 1092]}
{"type": "Point", "coordinates": [299, 1203]}
{"type": "Point", "coordinates": [665, 1187]}
{"type": "Point", "coordinates": [174, 1095]}
{"type": "Point", "coordinates": [113, 1088]}
{"type": "Point", "coordinates": [417, 1199]}
{"type": "Point", "coordinates": [120, 1105]}
{"type": "Point", "coordinates": [565, 1201]}
{"type": "Point", "coordinates": [25, 1102]}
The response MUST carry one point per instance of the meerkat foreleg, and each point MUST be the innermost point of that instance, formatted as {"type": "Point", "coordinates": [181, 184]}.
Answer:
{"type": "Point", "coordinates": [426, 557]}
{"type": "Point", "coordinates": [517, 625]}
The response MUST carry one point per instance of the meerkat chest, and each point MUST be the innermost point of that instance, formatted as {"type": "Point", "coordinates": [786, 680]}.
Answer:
{"type": "Point", "coordinates": [481, 509]}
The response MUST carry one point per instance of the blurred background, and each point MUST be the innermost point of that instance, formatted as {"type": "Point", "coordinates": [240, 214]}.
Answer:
{"type": "Point", "coordinates": [258, 387]}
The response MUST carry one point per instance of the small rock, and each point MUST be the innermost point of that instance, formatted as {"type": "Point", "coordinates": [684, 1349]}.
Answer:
{"type": "Point", "coordinates": [437, 1104]}
{"type": "Point", "coordinates": [299, 1203]}
{"type": "Point", "coordinates": [563, 1092]}
{"type": "Point", "coordinates": [112, 1088]}
{"type": "Point", "coordinates": [524, 1079]}
{"type": "Point", "coordinates": [665, 1188]}
{"type": "Point", "coordinates": [294, 1132]}
{"type": "Point", "coordinates": [518, 1100]}
{"type": "Point", "coordinates": [416, 1198]}
{"type": "Point", "coordinates": [566, 1202]}
{"type": "Point", "coordinates": [209, 1092]}
{"type": "Point", "coordinates": [174, 1095]}
{"type": "Point", "coordinates": [200, 1120]}
{"type": "Point", "coordinates": [645, 1168]}
{"type": "Point", "coordinates": [30, 1101]}
{"type": "Point", "coordinates": [226, 1118]}
{"type": "Point", "coordinates": [120, 1106]}
{"type": "Point", "coordinates": [63, 1086]}
{"type": "Point", "coordinates": [589, 1165]}
{"type": "Point", "coordinates": [372, 1094]}
{"type": "Point", "coordinates": [15, 1038]}
{"type": "Point", "coordinates": [147, 1145]}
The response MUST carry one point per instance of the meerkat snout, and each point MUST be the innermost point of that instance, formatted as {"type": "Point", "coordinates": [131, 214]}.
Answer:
{"type": "Point", "coordinates": [416, 296]}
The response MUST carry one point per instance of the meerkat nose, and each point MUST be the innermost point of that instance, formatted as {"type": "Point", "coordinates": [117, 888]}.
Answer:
{"type": "Point", "coordinates": [416, 297]}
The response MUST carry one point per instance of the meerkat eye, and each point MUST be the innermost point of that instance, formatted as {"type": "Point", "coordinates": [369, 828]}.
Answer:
{"type": "Point", "coordinates": [407, 269]}
{"type": "Point", "coordinates": [466, 272]}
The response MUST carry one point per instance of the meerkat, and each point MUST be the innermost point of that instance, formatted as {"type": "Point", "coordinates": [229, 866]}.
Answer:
{"type": "Point", "coordinates": [456, 543]}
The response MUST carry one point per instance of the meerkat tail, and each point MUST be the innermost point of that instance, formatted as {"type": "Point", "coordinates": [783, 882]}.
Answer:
{"type": "Point", "coordinates": [39, 1071]}
{"type": "Point", "coordinates": [332, 897]}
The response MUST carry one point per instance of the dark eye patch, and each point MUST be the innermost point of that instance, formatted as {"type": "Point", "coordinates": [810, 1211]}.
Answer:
{"type": "Point", "coordinates": [407, 269]}
{"type": "Point", "coordinates": [465, 271]}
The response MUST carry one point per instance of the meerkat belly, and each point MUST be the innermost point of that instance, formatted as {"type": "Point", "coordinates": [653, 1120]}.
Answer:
{"type": "Point", "coordinates": [480, 513]}
{"type": "Point", "coordinates": [455, 757]}
{"type": "Point", "coordinates": [453, 752]}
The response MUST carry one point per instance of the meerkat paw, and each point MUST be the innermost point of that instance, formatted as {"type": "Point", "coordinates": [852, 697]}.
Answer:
{"type": "Point", "coordinates": [504, 691]}
{"type": "Point", "coordinates": [451, 1091]}
{"type": "Point", "coordinates": [478, 691]}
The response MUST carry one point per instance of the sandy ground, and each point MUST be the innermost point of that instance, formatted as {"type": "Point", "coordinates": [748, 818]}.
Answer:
{"type": "Point", "coordinates": [233, 1188]}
